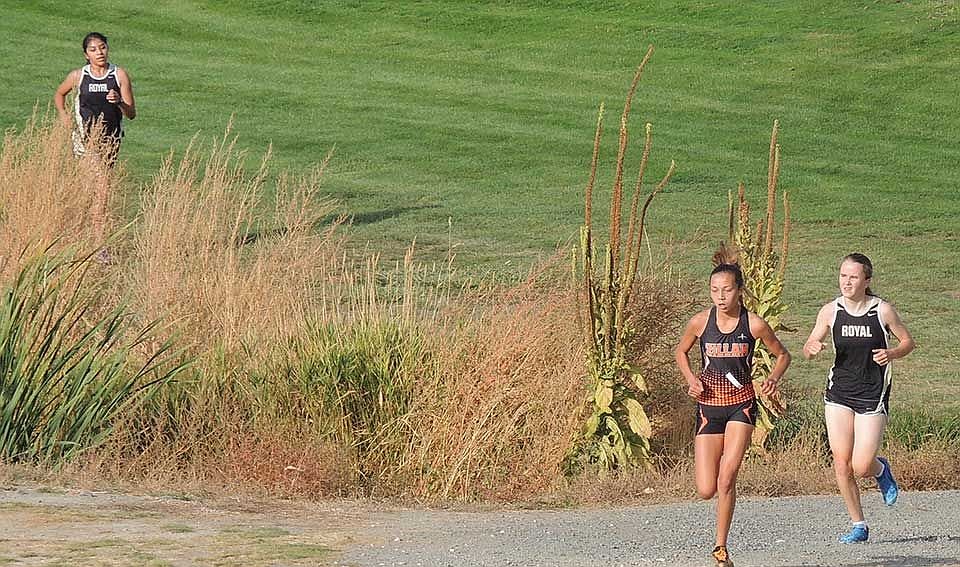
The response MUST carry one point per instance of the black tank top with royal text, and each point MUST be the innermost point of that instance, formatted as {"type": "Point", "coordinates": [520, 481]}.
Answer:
{"type": "Point", "coordinates": [727, 362]}
{"type": "Point", "coordinates": [91, 102]}
{"type": "Point", "coordinates": [855, 375]}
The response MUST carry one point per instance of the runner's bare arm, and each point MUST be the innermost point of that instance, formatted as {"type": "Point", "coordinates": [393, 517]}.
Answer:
{"type": "Point", "coordinates": [905, 340]}
{"type": "Point", "coordinates": [690, 334]}
{"type": "Point", "coordinates": [815, 343]}
{"type": "Point", "coordinates": [128, 105]}
{"type": "Point", "coordinates": [760, 329]}
{"type": "Point", "coordinates": [60, 97]}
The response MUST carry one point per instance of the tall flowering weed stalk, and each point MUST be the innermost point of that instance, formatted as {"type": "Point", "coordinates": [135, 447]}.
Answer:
{"type": "Point", "coordinates": [617, 432]}
{"type": "Point", "coordinates": [764, 265]}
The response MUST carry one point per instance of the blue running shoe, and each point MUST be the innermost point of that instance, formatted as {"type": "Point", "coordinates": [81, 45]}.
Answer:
{"type": "Point", "coordinates": [888, 486]}
{"type": "Point", "coordinates": [857, 534]}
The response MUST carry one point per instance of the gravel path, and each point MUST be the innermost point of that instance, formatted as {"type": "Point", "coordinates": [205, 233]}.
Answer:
{"type": "Point", "coordinates": [923, 529]}
{"type": "Point", "coordinates": [43, 527]}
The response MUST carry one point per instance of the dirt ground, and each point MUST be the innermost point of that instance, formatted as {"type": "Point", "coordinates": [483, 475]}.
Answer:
{"type": "Point", "coordinates": [82, 528]}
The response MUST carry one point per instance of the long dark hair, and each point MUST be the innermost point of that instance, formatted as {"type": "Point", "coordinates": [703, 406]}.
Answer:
{"type": "Point", "coordinates": [865, 263]}
{"type": "Point", "coordinates": [725, 262]}
{"type": "Point", "coordinates": [92, 36]}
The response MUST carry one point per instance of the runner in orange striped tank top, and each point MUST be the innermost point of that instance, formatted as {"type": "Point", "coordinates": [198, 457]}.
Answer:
{"type": "Point", "coordinates": [726, 400]}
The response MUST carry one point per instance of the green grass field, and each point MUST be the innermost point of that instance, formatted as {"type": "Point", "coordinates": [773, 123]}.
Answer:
{"type": "Point", "coordinates": [469, 127]}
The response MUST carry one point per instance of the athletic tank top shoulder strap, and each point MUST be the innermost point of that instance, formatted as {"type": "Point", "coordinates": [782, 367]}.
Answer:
{"type": "Point", "coordinates": [744, 324]}
{"type": "Point", "coordinates": [837, 308]}
{"type": "Point", "coordinates": [711, 322]}
{"type": "Point", "coordinates": [712, 328]}
{"type": "Point", "coordinates": [875, 303]}
{"type": "Point", "coordinates": [879, 307]}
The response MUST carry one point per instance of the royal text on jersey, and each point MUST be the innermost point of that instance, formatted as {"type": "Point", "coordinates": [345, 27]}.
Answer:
{"type": "Point", "coordinates": [856, 331]}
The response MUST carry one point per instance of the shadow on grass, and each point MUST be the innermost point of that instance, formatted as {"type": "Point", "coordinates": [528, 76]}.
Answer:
{"type": "Point", "coordinates": [373, 217]}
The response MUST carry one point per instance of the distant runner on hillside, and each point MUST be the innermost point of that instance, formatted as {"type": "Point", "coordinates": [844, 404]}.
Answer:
{"type": "Point", "coordinates": [858, 386]}
{"type": "Point", "coordinates": [726, 400]}
{"type": "Point", "coordinates": [104, 97]}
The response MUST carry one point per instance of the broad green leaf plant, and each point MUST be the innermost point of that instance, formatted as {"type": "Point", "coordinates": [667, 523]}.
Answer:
{"type": "Point", "coordinates": [67, 370]}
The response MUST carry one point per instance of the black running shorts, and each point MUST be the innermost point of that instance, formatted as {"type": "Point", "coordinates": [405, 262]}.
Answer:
{"type": "Point", "coordinates": [712, 420]}
{"type": "Point", "coordinates": [857, 405]}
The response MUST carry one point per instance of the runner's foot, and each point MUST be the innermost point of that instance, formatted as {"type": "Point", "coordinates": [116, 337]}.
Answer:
{"type": "Point", "coordinates": [857, 534]}
{"type": "Point", "coordinates": [722, 557]}
{"type": "Point", "coordinates": [888, 486]}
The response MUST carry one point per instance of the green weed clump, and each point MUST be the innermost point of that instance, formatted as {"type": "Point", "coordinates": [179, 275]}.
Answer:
{"type": "Point", "coordinates": [356, 383]}
{"type": "Point", "coordinates": [67, 372]}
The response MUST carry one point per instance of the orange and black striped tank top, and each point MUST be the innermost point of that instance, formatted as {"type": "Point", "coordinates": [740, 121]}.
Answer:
{"type": "Point", "coordinates": [727, 362]}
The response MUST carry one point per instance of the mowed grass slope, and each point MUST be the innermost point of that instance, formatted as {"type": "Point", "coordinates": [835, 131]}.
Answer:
{"type": "Point", "coordinates": [469, 127]}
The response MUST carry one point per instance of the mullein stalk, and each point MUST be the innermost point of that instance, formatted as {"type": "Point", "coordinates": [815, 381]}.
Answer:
{"type": "Point", "coordinates": [785, 245]}
{"type": "Point", "coordinates": [773, 171]}
{"type": "Point", "coordinates": [626, 275]}
{"type": "Point", "coordinates": [763, 271]}
{"type": "Point", "coordinates": [621, 155]}
{"type": "Point", "coordinates": [607, 331]}
{"type": "Point", "coordinates": [617, 432]}
{"type": "Point", "coordinates": [632, 229]}
{"type": "Point", "coordinates": [646, 205]}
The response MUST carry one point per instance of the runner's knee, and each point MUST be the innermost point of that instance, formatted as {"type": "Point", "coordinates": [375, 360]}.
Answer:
{"type": "Point", "coordinates": [863, 468]}
{"type": "Point", "coordinates": [726, 484]}
{"type": "Point", "coordinates": [842, 467]}
{"type": "Point", "coordinates": [706, 490]}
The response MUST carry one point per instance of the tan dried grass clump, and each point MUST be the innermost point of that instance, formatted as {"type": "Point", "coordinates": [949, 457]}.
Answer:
{"type": "Point", "coordinates": [52, 201]}
{"type": "Point", "coordinates": [934, 466]}
{"type": "Point", "coordinates": [237, 277]}
{"type": "Point", "coordinates": [212, 255]}
{"type": "Point", "coordinates": [504, 403]}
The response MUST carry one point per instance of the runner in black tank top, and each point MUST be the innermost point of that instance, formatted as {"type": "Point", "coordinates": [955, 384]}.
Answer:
{"type": "Point", "coordinates": [858, 385]}
{"type": "Point", "coordinates": [104, 93]}
{"type": "Point", "coordinates": [856, 380]}
{"type": "Point", "coordinates": [91, 104]}
{"type": "Point", "coordinates": [726, 406]}
{"type": "Point", "coordinates": [727, 360]}
{"type": "Point", "coordinates": [726, 375]}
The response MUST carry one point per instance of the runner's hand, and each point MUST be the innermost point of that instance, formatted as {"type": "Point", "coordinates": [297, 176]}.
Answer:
{"type": "Point", "coordinates": [768, 387]}
{"type": "Point", "coordinates": [812, 348]}
{"type": "Point", "coordinates": [881, 356]}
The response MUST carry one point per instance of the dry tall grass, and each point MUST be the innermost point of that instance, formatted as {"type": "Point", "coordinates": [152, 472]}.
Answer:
{"type": "Point", "coordinates": [51, 201]}
{"type": "Point", "coordinates": [503, 406]}
{"type": "Point", "coordinates": [238, 278]}
{"type": "Point", "coordinates": [211, 255]}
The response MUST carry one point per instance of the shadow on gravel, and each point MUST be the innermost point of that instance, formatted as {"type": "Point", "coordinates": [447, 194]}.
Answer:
{"type": "Point", "coordinates": [902, 561]}
{"type": "Point", "coordinates": [928, 539]}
